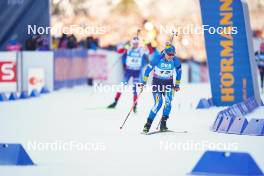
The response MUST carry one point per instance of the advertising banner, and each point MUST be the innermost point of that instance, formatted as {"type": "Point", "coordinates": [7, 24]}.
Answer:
{"type": "Point", "coordinates": [229, 51]}
{"type": "Point", "coordinates": [21, 19]}
{"type": "Point", "coordinates": [36, 79]}
{"type": "Point", "coordinates": [37, 70]}
{"type": "Point", "coordinates": [8, 72]}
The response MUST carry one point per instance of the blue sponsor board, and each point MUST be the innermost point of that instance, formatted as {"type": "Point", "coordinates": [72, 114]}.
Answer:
{"type": "Point", "coordinates": [21, 19]}
{"type": "Point", "coordinates": [228, 46]}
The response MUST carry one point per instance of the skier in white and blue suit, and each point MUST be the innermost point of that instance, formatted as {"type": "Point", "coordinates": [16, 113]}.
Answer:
{"type": "Point", "coordinates": [164, 65]}
{"type": "Point", "coordinates": [134, 60]}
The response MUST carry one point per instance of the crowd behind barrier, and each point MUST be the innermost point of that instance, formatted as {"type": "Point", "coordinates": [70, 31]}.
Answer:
{"type": "Point", "coordinates": [25, 71]}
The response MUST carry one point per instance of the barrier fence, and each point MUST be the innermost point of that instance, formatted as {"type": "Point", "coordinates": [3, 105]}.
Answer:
{"type": "Point", "coordinates": [31, 72]}
{"type": "Point", "coordinates": [70, 68]}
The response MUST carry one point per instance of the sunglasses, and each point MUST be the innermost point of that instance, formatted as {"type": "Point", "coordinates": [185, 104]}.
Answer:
{"type": "Point", "coordinates": [170, 54]}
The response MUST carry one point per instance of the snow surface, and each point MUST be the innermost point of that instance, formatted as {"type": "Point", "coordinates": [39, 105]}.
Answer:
{"type": "Point", "coordinates": [78, 115]}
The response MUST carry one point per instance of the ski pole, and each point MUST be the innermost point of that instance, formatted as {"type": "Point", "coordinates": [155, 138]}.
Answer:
{"type": "Point", "coordinates": [172, 36]}
{"type": "Point", "coordinates": [159, 124]}
{"type": "Point", "coordinates": [131, 109]}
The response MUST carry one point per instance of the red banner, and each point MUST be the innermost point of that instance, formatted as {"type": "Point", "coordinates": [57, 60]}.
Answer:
{"type": "Point", "coordinates": [8, 71]}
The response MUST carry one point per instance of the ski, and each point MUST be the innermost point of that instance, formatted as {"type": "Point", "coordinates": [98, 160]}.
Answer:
{"type": "Point", "coordinates": [167, 131]}
{"type": "Point", "coordinates": [99, 108]}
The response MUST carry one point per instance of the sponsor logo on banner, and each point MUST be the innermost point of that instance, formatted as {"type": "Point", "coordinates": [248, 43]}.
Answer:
{"type": "Point", "coordinates": [36, 79]}
{"type": "Point", "coordinates": [228, 53]}
{"type": "Point", "coordinates": [8, 75]}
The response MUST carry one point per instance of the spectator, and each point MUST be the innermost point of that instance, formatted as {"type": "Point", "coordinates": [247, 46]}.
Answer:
{"type": "Point", "coordinates": [72, 42]}
{"type": "Point", "coordinates": [13, 44]}
{"type": "Point", "coordinates": [37, 42]}
{"type": "Point", "coordinates": [31, 44]}
{"type": "Point", "coordinates": [91, 43]}
{"type": "Point", "coordinates": [63, 41]}
{"type": "Point", "coordinates": [42, 43]}
{"type": "Point", "coordinates": [55, 43]}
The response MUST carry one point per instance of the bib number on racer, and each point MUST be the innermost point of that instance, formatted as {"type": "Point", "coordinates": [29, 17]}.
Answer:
{"type": "Point", "coordinates": [133, 62]}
